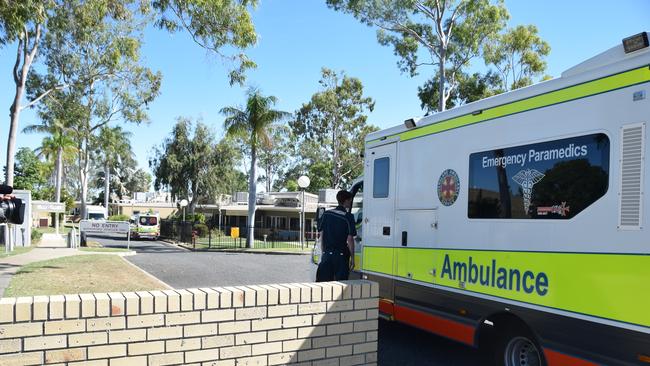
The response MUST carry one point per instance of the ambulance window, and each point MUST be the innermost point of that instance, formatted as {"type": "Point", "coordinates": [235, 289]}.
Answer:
{"type": "Point", "coordinates": [549, 180]}
{"type": "Point", "coordinates": [381, 178]}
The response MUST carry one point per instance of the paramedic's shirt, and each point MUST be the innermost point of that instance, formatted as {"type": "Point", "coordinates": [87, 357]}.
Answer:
{"type": "Point", "coordinates": [336, 225]}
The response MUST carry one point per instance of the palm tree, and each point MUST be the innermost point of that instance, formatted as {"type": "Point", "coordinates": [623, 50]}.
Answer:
{"type": "Point", "coordinates": [114, 150]}
{"type": "Point", "coordinates": [58, 144]}
{"type": "Point", "coordinates": [253, 124]}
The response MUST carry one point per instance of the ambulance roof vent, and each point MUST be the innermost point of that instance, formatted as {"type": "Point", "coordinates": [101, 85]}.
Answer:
{"type": "Point", "coordinates": [631, 188]}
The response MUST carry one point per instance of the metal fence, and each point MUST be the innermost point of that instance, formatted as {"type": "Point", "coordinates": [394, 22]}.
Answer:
{"type": "Point", "coordinates": [202, 236]}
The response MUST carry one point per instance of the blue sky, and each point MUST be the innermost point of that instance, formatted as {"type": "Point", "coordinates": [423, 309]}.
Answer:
{"type": "Point", "coordinates": [298, 37]}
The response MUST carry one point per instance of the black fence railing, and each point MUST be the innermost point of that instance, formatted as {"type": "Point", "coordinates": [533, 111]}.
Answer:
{"type": "Point", "coordinates": [202, 236]}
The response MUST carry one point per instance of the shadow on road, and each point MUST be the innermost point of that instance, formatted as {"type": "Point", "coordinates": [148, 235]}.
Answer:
{"type": "Point", "coordinates": [402, 345]}
{"type": "Point", "coordinates": [140, 246]}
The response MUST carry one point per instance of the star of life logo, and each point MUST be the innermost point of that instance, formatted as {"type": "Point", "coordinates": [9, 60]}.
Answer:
{"type": "Point", "coordinates": [527, 179]}
{"type": "Point", "coordinates": [448, 187]}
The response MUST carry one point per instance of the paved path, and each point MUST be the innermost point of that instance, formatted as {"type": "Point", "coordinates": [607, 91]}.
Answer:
{"type": "Point", "coordinates": [51, 240]}
{"type": "Point", "coordinates": [10, 265]}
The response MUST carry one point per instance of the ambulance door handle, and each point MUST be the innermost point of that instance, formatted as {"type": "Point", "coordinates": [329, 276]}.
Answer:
{"type": "Point", "coordinates": [404, 238]}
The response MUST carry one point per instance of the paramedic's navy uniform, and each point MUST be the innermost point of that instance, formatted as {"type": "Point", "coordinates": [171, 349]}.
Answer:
{"type": "Point", "coordinates": [336, 225]}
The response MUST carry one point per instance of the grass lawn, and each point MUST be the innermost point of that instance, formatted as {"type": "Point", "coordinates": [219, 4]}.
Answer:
{"type": "Point", "coordinates": [16, 251]}
{"type": "Point", "coordinates": [104, 250]}
{"type": "Point", "coordinates": [79, 274]}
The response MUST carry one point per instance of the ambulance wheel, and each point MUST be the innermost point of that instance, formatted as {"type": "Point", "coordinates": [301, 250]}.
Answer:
{"type": "Point", "coordinates": [518, 349]}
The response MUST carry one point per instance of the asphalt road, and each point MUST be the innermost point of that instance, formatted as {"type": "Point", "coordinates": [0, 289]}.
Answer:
{"type": "Point", "coordinates": [398, 344]}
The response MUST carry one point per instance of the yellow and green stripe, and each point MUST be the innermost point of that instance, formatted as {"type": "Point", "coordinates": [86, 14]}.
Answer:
{"type": "Point", "coordinates": [609, 286]}
{"type": "Point", "coordinates": [586, 89]}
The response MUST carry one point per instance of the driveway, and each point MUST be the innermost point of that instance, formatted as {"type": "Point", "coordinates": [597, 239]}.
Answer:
{"type": "Point", "coordinates": [181, 268]}
{"type": "Point", "coordinates": [398, 344]}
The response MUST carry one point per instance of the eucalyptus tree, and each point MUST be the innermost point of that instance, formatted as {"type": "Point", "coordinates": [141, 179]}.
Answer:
{"type": "Point", "coordinates": [22, 22]}
{"type": "Point", "coordinates": [330, 130]}
{"type": "Point", "coordinates": [191, 164]}
{"type": "Point", "coordinates": [253, 123]}
{"type": "Point", "coordinates": [518, 56]}
{"type": "Point", "coordinates": [139, 181]}
{"type": "Point", "coordinates": [216, 25]}
{"type": "Point", "coordinates": [448, 33]}
{"type": "Point", "coordinates": [100, 62]}
{"type": "Point", "coordinates": [274, 156]}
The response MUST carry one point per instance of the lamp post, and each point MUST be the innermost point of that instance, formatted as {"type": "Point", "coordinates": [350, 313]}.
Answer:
{"type": "Point", "coordinates": [303, 182]}
{"type": "Point", "coordinates": [183, 203]}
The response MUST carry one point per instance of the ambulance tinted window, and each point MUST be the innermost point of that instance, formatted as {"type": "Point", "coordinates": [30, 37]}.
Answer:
{"type": "Point", "coordinates": [549, 180]}
{"type": "Point", "coordinates": [380, 178]}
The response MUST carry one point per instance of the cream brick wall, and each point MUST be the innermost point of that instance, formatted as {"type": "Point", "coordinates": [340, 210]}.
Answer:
{"type": "Point", "coordinates": [333, 323]}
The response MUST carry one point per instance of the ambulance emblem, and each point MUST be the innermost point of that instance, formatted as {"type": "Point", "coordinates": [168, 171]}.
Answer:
{"type": "Point", "coordinates": [527, 179]}
{"type": "Point", "coordinates": [448, 187]}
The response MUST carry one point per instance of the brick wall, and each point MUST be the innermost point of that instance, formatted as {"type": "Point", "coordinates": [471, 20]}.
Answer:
{"type": "Point", "coordinates": [333, 323]}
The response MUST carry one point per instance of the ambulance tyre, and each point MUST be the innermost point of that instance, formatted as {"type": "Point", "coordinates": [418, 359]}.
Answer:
{"type": "Point", "coordinates": [517, 347]}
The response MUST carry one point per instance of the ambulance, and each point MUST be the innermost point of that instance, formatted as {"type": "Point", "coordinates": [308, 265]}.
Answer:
{"type": "Point", "coordinates": [145, 225]}
{"type": "Point", "coordinates": [516, 224]}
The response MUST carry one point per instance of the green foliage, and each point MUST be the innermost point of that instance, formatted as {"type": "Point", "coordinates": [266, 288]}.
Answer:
{"type": "Point", "coordinates": [329, 132]}
{"type": "Point", "coordinates": [189, 217]}
{"type": "Point", "coordinates": [30, 173]}
{"type": "Point", "coordinates": [470, 89]}
{"type": "Point", "coordinates": [448, 32]}
{"type": "Point", "coordinates": [518, 55]}
{"type": "Point", "coordinates": [119, 218]}
{"type": "Point", "coordinates": [113, 157]}
{"type": "Point", "coordinates": [139, 181]}
{"type": "Point", "coordinates": [92, 48]}
{"type": "Point", "coordinates": [213, 25]}
{"type": "Point", "coordinates": [201, 230]}
{"type": "Point", "coordinates": [36, 235]}
{"type": "Point", "coordinates": [274, 156]}
{"type": "Point", "coordinates": [191, 164]}
{"type": "Point", "coordinates": [252, 124]}
{"type": "Point", "coordinates": [15, 14]}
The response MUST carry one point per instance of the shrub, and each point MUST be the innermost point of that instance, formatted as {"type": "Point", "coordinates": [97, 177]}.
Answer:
{"type": "Point", "coordinates": [119, 218]}
{"type": "Point", "coordinates": [198, 218]}
{"type": "Point", "coordinates": [36, 235]}
{"type": "Point", "coordinates": [202, 230]}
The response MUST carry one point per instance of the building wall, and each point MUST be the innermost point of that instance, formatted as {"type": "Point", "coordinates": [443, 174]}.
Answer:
{"type": "Point", "coordinates": [328, 323]}
{"type": "Point", "coordinates": [129, 210]}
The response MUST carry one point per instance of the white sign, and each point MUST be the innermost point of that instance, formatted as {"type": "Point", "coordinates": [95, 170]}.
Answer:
{"type": "Point", "coordinates": [101, 226]}
{"type": "Point", "coordinates": [48, 206]}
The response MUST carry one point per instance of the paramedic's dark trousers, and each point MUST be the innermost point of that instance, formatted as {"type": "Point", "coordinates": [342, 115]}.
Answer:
{"type": "Point", "coordinates": [335, 266]}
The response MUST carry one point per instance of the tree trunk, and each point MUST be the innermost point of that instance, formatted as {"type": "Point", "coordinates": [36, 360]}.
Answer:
{"type": "Point", "coordinates": [195, 197]}
{"type": "Point", "coordinates": [252, 198]}
{"type": "Point", "coordinates": [14, 112]}
{"type": "Point", "coordinates": [335, 156]}
{"type": "Point", "coordinates": [441, 86]}
{"type": "Point", "coordinates": [107, 184]}
{"type": "Point", "coordinates": [26, 56]}
{"type": "Point", "coordinates": [83, 176]}
{"type": "Point", "coordinates": [57, 185]}
{"type": "Point", "coordinates": [268, 178]}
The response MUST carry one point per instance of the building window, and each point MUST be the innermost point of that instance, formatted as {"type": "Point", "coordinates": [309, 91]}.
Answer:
{"type": "Point", "coordinates": [549, 180]}
{"type": "Point", "coordinates": [381, 175]}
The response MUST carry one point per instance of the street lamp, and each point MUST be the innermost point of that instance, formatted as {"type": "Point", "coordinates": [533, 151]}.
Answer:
{"type": "Point", "coordinates": [303, 182]}
{"type": "Point", "coordinates": [183, 203]}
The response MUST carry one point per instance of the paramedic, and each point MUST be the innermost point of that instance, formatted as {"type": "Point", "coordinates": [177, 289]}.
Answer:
{"type": "Point", "coordinates": [337, 231]}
